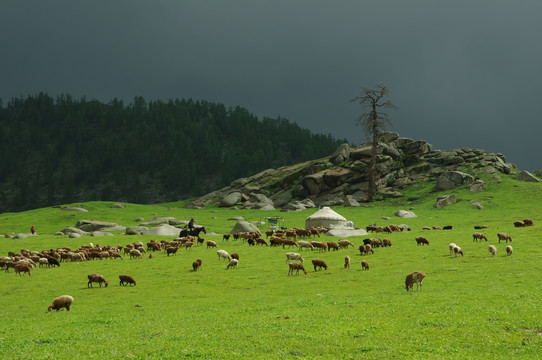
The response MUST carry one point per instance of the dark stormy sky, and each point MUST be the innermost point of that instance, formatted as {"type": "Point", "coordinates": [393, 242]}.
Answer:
{"type": "Point", "coordinates": [462, 73]}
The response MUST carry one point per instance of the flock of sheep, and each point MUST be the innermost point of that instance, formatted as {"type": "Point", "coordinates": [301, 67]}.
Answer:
{"type": "Point", "coordinates": [24, 261]}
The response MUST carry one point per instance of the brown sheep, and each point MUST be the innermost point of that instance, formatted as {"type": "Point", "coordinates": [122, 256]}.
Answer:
{"type": "Point", "coordinates": [347, 262]}
{"type": "Point", "coordinates": [478, 236]}
{"type": "Point", "coordinates": [21, 268]}
{"type": "Point", "coordinates": [171, 250]}
{"type": "Point", "coordinates": [519, 224]}
{"type": "Point", "coordinates": [260, 241]}
{"type": "Point", "coordinates": [345, 243]}
{"type": "Point", "coordinates": [504, 236]}
{"type": "Point", "coordinates": [135, 254]}
{"type": "Point", "coordinates": [414, 277]}
{"type": "Point", "coordinates": [196, 265]}
{"type": "Point", "coordinates": [420, 240]}
{"type": "Point", "coordinates": [458, 251]}
{"type": "Point", "coordinates": [296, 266]}
{"type": "Point", "coordinates": [322, 246]}
{"type": "Point", "coordinates": [527, 222]}
{"type": "Point", "coordinates": [386, 242]}
{"type": "Point", "coordinates": [332, 245]}
{"type": "Point", "coordinates": [364, 265]}
{"type": "Point", "coordinates": [126, 279]}
{"type": "Point", "coordinates": [235, 256]}
{"type": "Point", "coordinates": [319, 263]}
{"type": "Point", "coordinates": [64, 301]}
{"type": "Point", "coordinates": [289, 243]}
{"type": "Point", "coordinates": [151, 256]}
{"type": "Point", "coordinates": [97, 278]}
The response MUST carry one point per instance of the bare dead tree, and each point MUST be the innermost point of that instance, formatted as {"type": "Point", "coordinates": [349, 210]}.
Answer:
{"type": "Point", "coordinates": [374, 121]}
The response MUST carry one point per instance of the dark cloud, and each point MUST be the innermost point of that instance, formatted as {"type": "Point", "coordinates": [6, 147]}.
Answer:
{"type": "Point", "coordinates": [463, 73]}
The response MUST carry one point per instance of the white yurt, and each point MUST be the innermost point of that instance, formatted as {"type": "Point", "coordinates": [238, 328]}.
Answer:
{"type": "Point", "coordinates": [325, 217]}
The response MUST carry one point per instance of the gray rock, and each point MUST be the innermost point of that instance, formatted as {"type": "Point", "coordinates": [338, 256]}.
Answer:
{"type": "Point", "coordinates": [477, 186]}
{"type": "Point", "coordinates": [69, 230]}
{"type": "Point", "coordinates": [74, 235]}
{"type": "Point", "coordinates": [405, 214]}
{"type": "Point", "coordinates": [243, 226]}
{"type": "Point", "coordinates": [350, 201]}
{"type": "Point", "coordinates": [162, 230]}
{"type": "Point", "coordinates": [75, 209]}
{"type": "Point", "coordinates": [259, 198]}
{"type": "Point", "coordinates": [445, 201]}
{"type": "Point", "coordinates": [282, 198]}
{"type": "Point", "coordinates": [341, 154]}
{"type": "Point", "coordinates": [136, 230]}
{"type": "Point", "coordinates": [265, 207]}
{"type": "Point", "coordinates": [452, 179]}
{"type": "Point", "coordinates": [526, 176]}
{"type": "Point", "coordinates": [20, 236]}
{"type": "Point", "coordinates": [237, 218]}
{"type": "Point", "coordinates": [230, 199]}
{"type": "Point", "coordinates": [117, 206]}
{"type": "Point", "coordinates": [476, 204]}
{"type": "Point", "coordinates": [93, 225]}
{"type": "Point", "coordinates": [101, 233]}
{"type": "Point", "coordinates": [157, 221]}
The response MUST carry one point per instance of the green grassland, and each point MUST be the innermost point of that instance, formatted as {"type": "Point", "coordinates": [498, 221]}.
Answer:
{"type": "Point", "coordinates": [471, 307]}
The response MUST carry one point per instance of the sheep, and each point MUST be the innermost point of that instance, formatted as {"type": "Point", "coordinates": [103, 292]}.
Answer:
{"type": "Point", "coordinates": [447, 227]}
{"type": "Point", "coordinates": [296, 266]}
{"type": "Point", "coordinates": [478, 236]}
{"type": "Point", "coordinates": [151, 256]}
{"type": "Point", "coordinates": [196, 265]}
{"type": "Point", "coordinates": [22, 267]}
{"type": "Point", "coordinates": [504, 236]}
{"type": "Point", "coordinates": [319, 263]}
{"type": "Point", "coordinates": [332, 245]}
{"type": "Point", "coordinates": [126, 279]}
{"type": "Point", "coordinates": [233, 264]}
{"type": "Point", "coordinates": [293, 256]}
{"type": "Point", "coordinates": [305, 244]}
{"type": "Point", "coordinates": [96, 278]}
{"type": "Point", "coordinates": [223, 254]}
{"type": "Point", "coordinates": [364, 265]}
{"type": "Point", "coordinates": [43, 261]}
{"type": "Point", "coordinates": [289, 243]}
{"type": "Point", "coordinates": [52, 261]}
{"type": "Point", "coordinates": [234, 256]}
{"type": "Point", "coordinates": [260, 241]}
{"type": "Point", "coordinates": [519, 224]}
{"type": "Point", "coordinates": [135, 254]}
{"type": "Point", "coordinates": [458, 250]}
{"type": "Point", "coordinates": [172, 250]}
{"type": "Point", "coordinates": [251, 242]}
{"type": "Point", "coordinates": [492, 250]}
{"type": "Point", "coordinates": [64, 301]}
{"type": "Point", "coordinates": [366, 249]}
{"type": "Point", "coordinates": [452, 246]}
{"type": "Point", "coordinates": [414, 277]}
{"type": "Point", "coordinates": [347, 262]}
{"type": "Point", "coordinates": [226, 237]}
{"type": "Point", "coordinates": [420, 240]}
{"type": "Point", "coordinates": [322, 246]}
{"type": "Point", "coordinates": [509, 250]}
{"type": "Point", "coordinates": [527, 222]}
{"type": "Point", "coordinates": [386, 242]}
{"type": "Point", "coordinates": [345, 243]}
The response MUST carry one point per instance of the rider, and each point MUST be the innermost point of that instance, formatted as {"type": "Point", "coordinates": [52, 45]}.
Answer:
{"type": "Point", "coordinates": [191, 225]}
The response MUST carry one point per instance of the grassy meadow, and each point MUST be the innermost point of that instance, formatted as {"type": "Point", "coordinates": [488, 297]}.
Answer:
{"type": "Point", "coordinates": [471, 307]}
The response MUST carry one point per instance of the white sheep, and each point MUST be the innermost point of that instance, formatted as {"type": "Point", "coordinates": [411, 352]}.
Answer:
{"type": "Point", "coordinates": [452, 246]}
{"type": "Point", "coordinates": [64, 301]}
{"type": "Point", "coordinates": [223, 254]}
{"type": "Point", "coordinates": [135, 254]}
{"type": "Point", "coordinates": [293, 256]}
{"type": "Point", "coordinates": [233, 264]}
{"type": "Point", "coordinates": [492, 250]}
{"type": "Point", "coordinates": [305, 244]}
{"type": "Point", "coordinates": [509, 250]}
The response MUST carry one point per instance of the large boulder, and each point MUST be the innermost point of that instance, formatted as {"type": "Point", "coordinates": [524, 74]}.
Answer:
{"type": "Point", "coordinates": [136, 230]}
{"type": "Point", "coordinates": [157, 221]}
{"type": "Point", "coordinates": [526, 176]}
{"type": "Point", "coordinates": [162, 230]}
{"type": "Point", "coordinates": [405, 214]}
{"type": "Point", "coordinates": [230, 199]}
{"type": "Point", "coordinates": [452, 179]}
{"type": "Point", "coordinates": [341, 154]}
{"type": "Point", "coordinates": [93, 225]}
{"type": "Point", "coordinates": [445, 201]}
{"type": "Point", "coordinates": [243, 226]}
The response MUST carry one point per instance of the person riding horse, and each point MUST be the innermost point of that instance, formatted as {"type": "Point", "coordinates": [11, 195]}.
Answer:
{"type": "Point", "coordinates": [191, 225]}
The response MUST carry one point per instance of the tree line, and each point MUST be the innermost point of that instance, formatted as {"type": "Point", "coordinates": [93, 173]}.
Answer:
{"type": "Point", "coordinates": [66, 150]}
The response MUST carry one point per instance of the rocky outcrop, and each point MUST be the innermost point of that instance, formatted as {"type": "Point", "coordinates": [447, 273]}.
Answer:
{"type": "Point", "coordinates": [526, 176]}
{"type": "Point", "coordinates": [342, 178]}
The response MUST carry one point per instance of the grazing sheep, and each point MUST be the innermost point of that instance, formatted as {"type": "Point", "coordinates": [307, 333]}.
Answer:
{"type": "Point", "coordinates": [52, 261]}
{"type": "Point", "coordinates": [296, 266]}
{"type": "Point", "coordinates": [478, 236]}
{"type": "Point", "coordinates": [235, 256]}
{"type": "Point", "coordinates": [233, 264]}
{"type": "Point", "coordinates": [332, 245]}
{"type": "Point", "coordinates": [319, 263]}
{"type": "Point", "coordinates": [519, 224]}
{"type": "Point", "coordinates": [452, 246]}
{"type": "Point", "coordinates": [347, 262]}
{"type": "Point", "coordinates": [492, 250]}
{"type": "Point", "coordinates": [504, 236]}
{"type": "Point", "coordinates": [447, 227]}
{"type": "Point", "coordinates": [43, 261]}
{"type": "Point", "coordinates": [21, 268]}
{"type": "Point", "coordinates": [527, 222]}
{"type": "Point", "coordinates": [260, 241]}
{"type": "Point", "coordinates": [509, 250]}
{"type": "Point", "coordinates": [151, 256]}
{"type": "Point", "coordinates": [226, 237]}
{"type": "Point", "coordinates": [386, 242]}
{"type": "Point", "coordinates": [223, 254]}
{"type": "Point", "coordinates": [126, 279]}
{"type": "Point", "coordinates": [172, 250]}
{"type": "Point", "coordinates": [293, 256]}
{"type": "Point", "coordinates": [196, 265]}
{"type": "Point", "coordinates": [414, 277]}
{"type": "Point", "coordinates": [289, 243]}
{"type": "Point", "coordinates": [364, 265]}
{"type": "Point", "coordinates": [420, 240]}
{"type": "Point", "coordinates": [135, 254]}
{"type": "Point", "coordinates": [97, 278]}
{"type": "Point", "coordinates": [345, 243]}
{"type": "Point", "coordinates": [305, 244]}
{"type": "Point", "coordinates": [322, 246]}
{"type": "Point", "coordinates": [366, 249]}
{"type": "Point", "coordinates": [64, 301]}
{"type": "Point", "coordinates": [458, 250]}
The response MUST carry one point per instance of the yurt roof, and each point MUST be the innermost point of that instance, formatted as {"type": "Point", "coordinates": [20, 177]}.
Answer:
{"type": "Point", "coordinates": [325, 213]}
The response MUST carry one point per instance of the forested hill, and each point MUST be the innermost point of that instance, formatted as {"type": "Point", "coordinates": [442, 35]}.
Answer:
{"type": "Point", "coordinates": [63, 150]}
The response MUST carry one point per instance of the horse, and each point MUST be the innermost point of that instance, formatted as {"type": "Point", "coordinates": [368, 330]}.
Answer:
{"type": "Point", "coordinates": [194, 232]}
